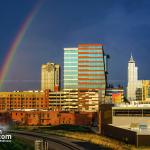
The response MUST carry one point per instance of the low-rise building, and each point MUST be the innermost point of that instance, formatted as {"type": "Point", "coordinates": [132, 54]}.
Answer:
{"type": "Point", "coordinates": [89, 100]}
{"type": "Point", "coordinates": [73, 100]}
{"type": "Point", "coordinates": [42, 117]}
{"type": "Point", "coordinates": [23, 100]}
{"type": "Point", "coordinates": [66, 100]}
{"type": "Point", "coordinates": [130, 124]}
{"type": "Point", "coordinates": [125, 115]}
{"type": "Point", "coordinates": [116, 94]}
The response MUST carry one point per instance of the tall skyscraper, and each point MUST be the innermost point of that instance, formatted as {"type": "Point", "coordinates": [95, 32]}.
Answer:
{"type": "Point", "coordinates": [85, 67]}
{"type": "Point", "coordinates": [91, 76]}
{"type": "Point", "coordinates": [91, 67]}
{"type": "Point", "coordinates": [133, 82]}
{"type": "Point", "coordinates": [70, 68]}
{"type": "Point", "coordinates": [85, 70]}
{"type": "Point", "coordinates": [50, 76]}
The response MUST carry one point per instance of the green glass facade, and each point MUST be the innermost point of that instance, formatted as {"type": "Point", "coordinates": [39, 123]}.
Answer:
{"type": "Point", "coordinates": [70, 68]}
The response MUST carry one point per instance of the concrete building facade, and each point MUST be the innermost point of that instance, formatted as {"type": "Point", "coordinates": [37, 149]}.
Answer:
{"type": "Point", "coordinates": [132, 114]}
{"type": "Point", "coordinates": [50, 76]}
{"type": "Point", "coordinates": [66, 100]}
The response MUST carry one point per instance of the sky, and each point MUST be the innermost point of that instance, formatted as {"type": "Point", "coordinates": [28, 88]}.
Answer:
{"type": "Point", "coordinates": [121, 26]}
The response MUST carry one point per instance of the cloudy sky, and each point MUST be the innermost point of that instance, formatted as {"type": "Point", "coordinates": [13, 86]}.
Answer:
{"type": "Point", "coordinates": [122, 26]}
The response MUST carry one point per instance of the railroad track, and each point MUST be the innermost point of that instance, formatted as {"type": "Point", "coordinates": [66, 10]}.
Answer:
{"type": "Point", "coordinates": [46, 137]}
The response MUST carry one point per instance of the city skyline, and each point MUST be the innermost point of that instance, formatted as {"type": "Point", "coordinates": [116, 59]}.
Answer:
{"type": "Point", "coordinates": [121, 26]}
{"type": "Point", "coordinates": [74, 74]}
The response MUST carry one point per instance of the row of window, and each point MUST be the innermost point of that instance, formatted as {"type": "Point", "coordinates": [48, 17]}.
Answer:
{"type": "Point", "coordinates": [70, 77]}
{"type": "Point", "coordinates": [93, 77]}
{"type": "Point", "coordinates": [92, 86]}
{"type": "Point", "coordinates": [91, 55]}
{"type": "Point", "coordinates": [91, 68]}
{"type": "Point", "coordinates": [18, 95]}
{"type": "Point", "coordinates": [131, 113]}
{"type": "Point", "coordinates": [71, 72]}
{"type": "Point", "coordinates": [70, 54]}
{"type": "Point", "coordinates": [75, 78]}
{"type": "Point", "coordinates": [71, 64]}
{"type": "Point", "coordinates": [30, 115]}
{"type": "Point", "coordinates": [75, 72]}
{"type": "Point", "coordinates": [21, 98]}
{"type": "Point", "coordinates": [80, 81]}
{"type": "Point", "coordinates": [76, 55]}
{"type": "Point", "coordinates": [91, 63]}
{"type": "Point", "coordinates": [71, 60]}
{"type": "Point", "coordinates": [69, 67]}
{"type": "Point", "coordinates": [71, 51]}
{"type": "Point", "coordinates": [91, 81]}
{"type": "Point", "coordinates": [91, 72]}
{"type": "Point", "coordinates": [99, 48]}
{"type": "Point", "coordinates": [92, 59]}
{"type": "Point", "coordinates": [69, 86]}
{"type": "Point", "coordinates": [75, 68]}
{"type": "Point", "coordinates": [66, 82]}
{"type": "Point", "coordinates": [23, 106]}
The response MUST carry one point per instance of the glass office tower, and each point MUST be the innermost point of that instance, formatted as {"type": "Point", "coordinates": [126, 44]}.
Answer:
{"type": "Point", "coordinates": [85, 70]}
{"type": "Point", "coordinates": [91, 67]}
{"type": "Point", "coordinates": [91, 76]}
{"type": "Point", "coordinates": [70, 68]}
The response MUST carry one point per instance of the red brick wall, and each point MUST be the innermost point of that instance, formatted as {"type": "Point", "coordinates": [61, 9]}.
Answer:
{"type": "Point", "coordinates": [52, 118]}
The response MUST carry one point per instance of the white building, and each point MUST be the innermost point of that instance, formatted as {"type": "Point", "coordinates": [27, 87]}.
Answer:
{"type": "Point", "coordinates": [133, 82]}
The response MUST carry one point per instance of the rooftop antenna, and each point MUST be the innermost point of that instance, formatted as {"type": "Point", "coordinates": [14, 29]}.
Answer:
{"type": "Point", "coordinates": [131, 58]}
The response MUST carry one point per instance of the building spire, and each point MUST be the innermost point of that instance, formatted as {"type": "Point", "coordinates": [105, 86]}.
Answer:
{"type": "Point", "coordinates": [131, 58]}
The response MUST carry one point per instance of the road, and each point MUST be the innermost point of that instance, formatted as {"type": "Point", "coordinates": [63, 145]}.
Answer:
{"type": "Point", "coordinates": [58, 142]}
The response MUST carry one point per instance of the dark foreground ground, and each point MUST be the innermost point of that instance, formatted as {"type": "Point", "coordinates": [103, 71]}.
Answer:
{"type": "Point", "coordinates": [82, 145]}
{"type": "Point", "coordinates": [81, 136]}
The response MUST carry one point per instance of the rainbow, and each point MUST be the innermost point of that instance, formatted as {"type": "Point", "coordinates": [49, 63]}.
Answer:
{"type": "Point", "coordinates": [16, 42]}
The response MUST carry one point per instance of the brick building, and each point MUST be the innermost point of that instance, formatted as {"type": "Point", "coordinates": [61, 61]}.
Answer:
{"type": "Point", "coordinates": [23, 100]}
{"type": "Point", "coordinates": [35, 117]}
